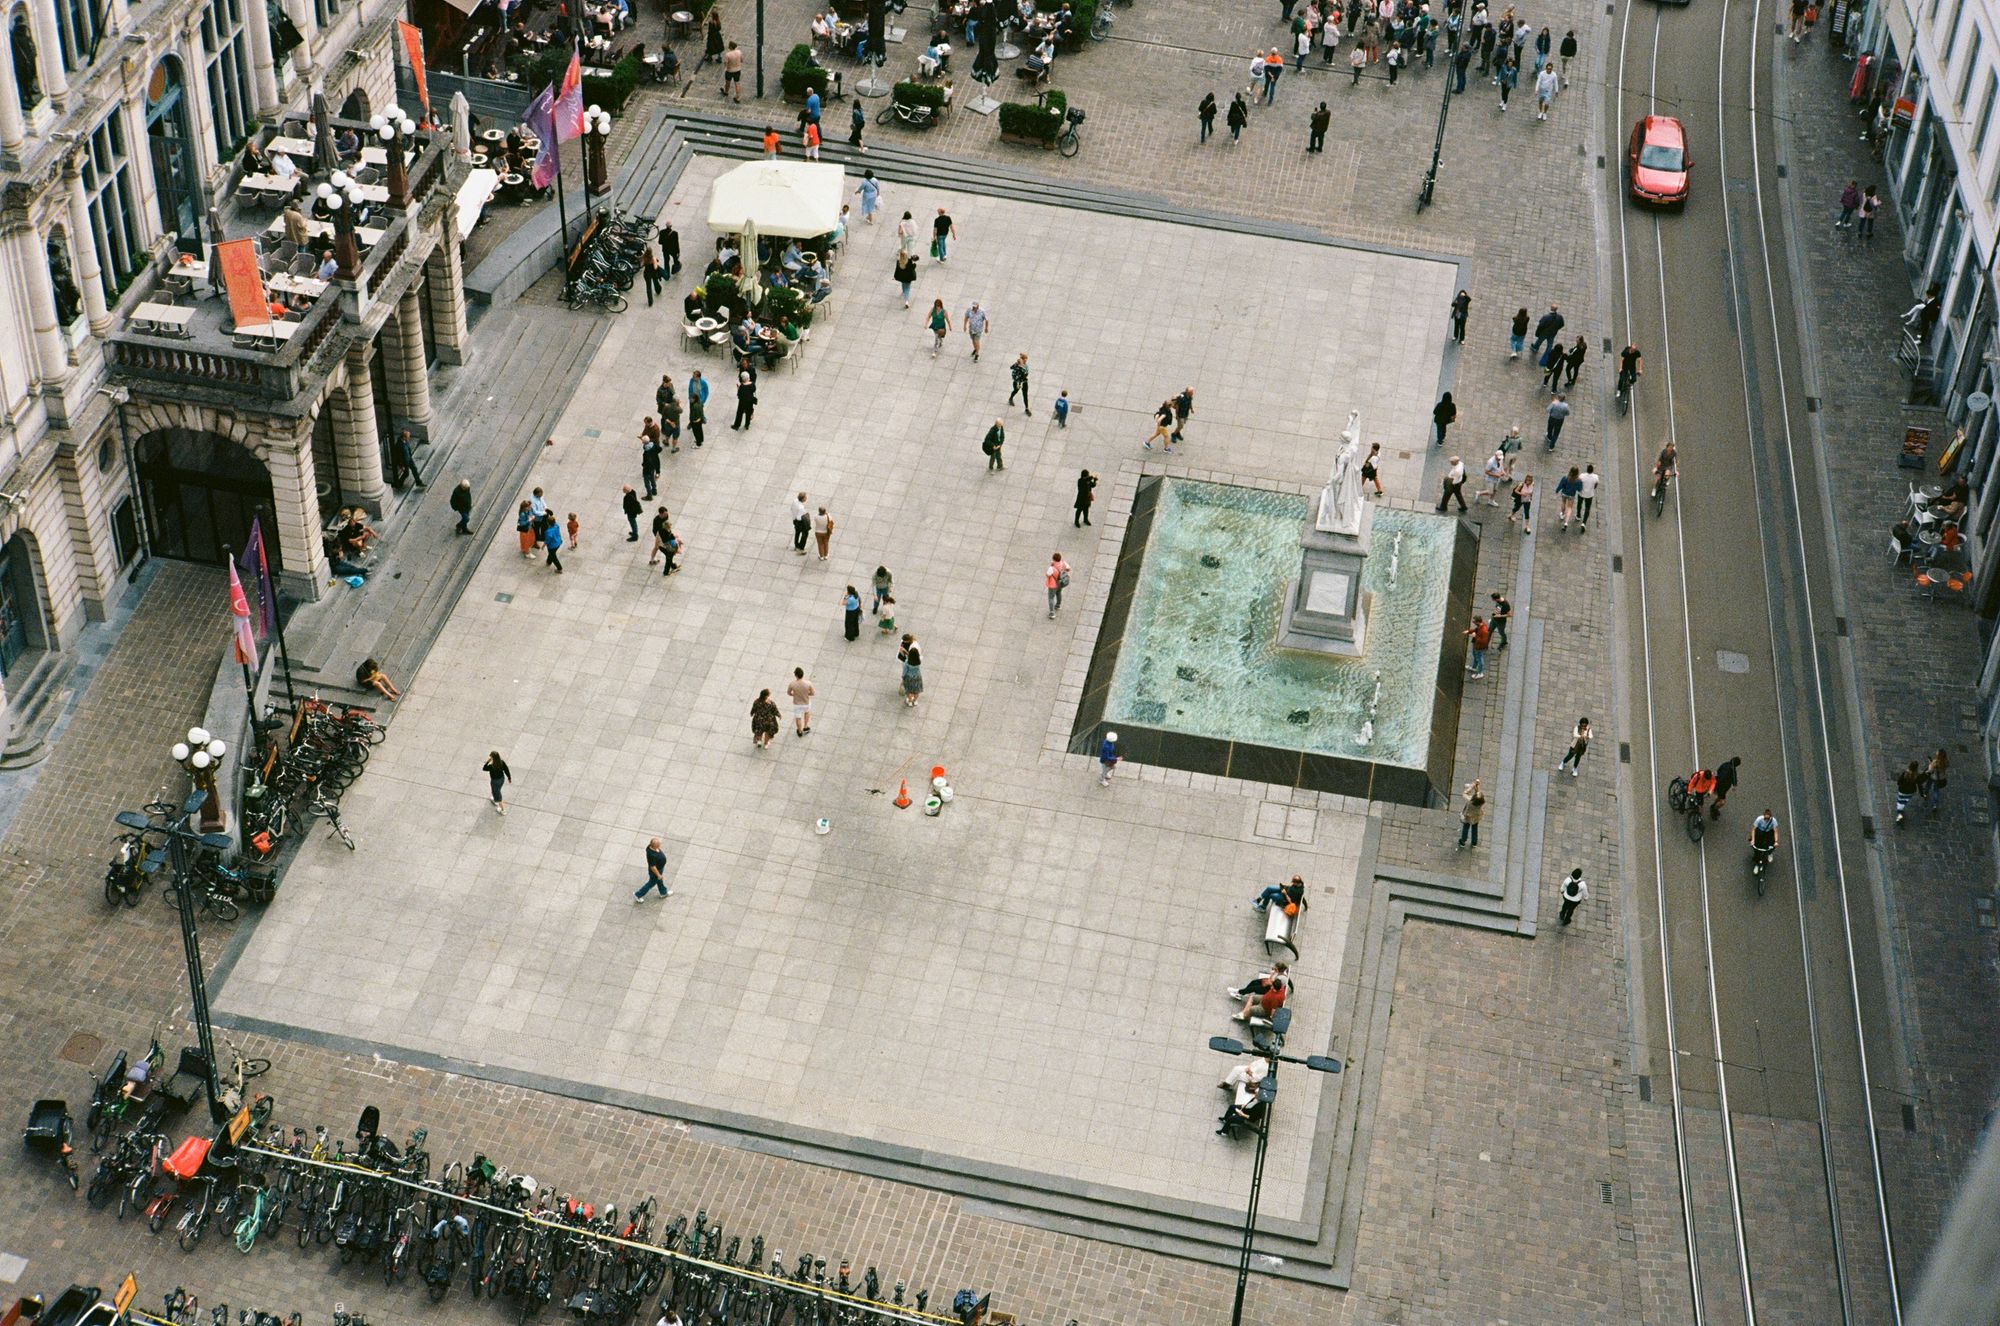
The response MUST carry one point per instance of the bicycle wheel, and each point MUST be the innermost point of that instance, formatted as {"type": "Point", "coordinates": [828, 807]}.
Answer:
{"type": "Point", "coordinates": [1659, 498]}
{"type": "Point", "coordinates": [340, 832]}
{"type": "Point", "coordinates": [1677, 795]}
{"type": "Point", "coordinates": [113, 894]}
{"type": "Point", "coordinates": [221, 905]}
{"type": "Point", "coordinates": [611, 302]}
{"type": "Point", "coordinates": [1697, 823]}
{"type": "Point", "coordinates": [102, 1185]}
{"type": "Point", "coordinates": [254, 1068]}
{"type": "Point", "coordinates": [1068, 144]}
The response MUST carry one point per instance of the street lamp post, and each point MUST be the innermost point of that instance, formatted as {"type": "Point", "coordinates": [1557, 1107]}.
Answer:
{"type": "Point", "coordinates": [1437, 144]}
{"type": "Point", "coordinates": [201, 754]}
{"type": "Point", "coordinates": [178, 838]}
{"type": "Point", "coordinates": [341, 197]}
{"type": "Point", "coordinates": [395, 129]}
{"type": "Point", "coordinates": [1267, 1092]}
{"type": "Point", "coordinates": [596, 135]}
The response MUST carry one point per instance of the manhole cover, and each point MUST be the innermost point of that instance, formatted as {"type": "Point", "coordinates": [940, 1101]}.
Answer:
{"type": "Point", "coordinates": [82, 1048]}
{"type": "Point", "coordinates": [1731, 661]}
{"type": "Point", "coordinates": [503, 598]}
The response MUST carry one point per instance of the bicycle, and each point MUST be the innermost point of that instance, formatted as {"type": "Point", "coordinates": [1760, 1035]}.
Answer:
{"type": "Point", "coordinates": [245, 1071]}
{"type": "Point", "coordinates": [255, 1213]}
{"type": "Point", "coordinates": [1624, 394]}
{"type": "Point", "coordinates": [1066, 141]}
{"type": "Point", "coordinates": [322, 804]}
{"type": "Point", "coordinates": [1662, 479]}
{"type": "Point", "coordinates": [585, 292]}
{"type": "Point", "coordinates": [1691, 805]}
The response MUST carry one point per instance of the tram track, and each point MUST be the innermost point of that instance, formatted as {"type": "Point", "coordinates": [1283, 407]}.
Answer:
{"type": "Point", "coordinates": [1677, 575]}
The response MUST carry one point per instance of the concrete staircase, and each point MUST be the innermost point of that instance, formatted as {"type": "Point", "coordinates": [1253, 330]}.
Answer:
{"type": "Point", "coordinates": [35, 701]}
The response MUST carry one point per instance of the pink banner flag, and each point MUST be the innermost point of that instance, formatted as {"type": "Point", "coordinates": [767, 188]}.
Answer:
{"type": "Point", "coordinates": [239, 609]}
{"type": "Point", "coordinates": [540, 119]}
{"type": "Point", "coordinates": [569, 103]}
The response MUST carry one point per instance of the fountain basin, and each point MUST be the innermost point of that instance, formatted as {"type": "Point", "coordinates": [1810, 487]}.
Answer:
{"type": "Point", "coordinates": [1190, 672]}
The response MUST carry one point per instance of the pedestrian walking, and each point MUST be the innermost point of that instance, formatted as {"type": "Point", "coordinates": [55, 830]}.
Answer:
{"type": "Point", "coordinates": [1567, 488]}
{"type": "Point", "coordinates": [1517, 334]}
{"type": "Point", "coordinates": [1107, 758]}
{"type": "Point", "coordinates": [1546, 87]}
{"type": "Point", "coordinates": [649, 267]}
{"type": "Point", "coordinates": [1871, 202]}
{"type": "Point", "coordinates": [406, 452]}
{"type": "Point", "coordinates": [1558, 416]}
{"type": "Point", "coordinates": [1479, 637]}
{"type": "Point", "coordinates": [1573, 363]}
{"type": "Point", "coordinates": [1453, 485]}
{"type": "Point", "coordinates": [1274, 65]}
{"type": "Point", "coordinates": [763, 719]}
{"type": "Point", "coordinates": [633, 509]}
{"type": "Point", "coordinates": [524, 529]}
{"type": "Point", "coordinates": [1357, 60]}
{"type": "Point", "coordinates": [1256, 87]}
{"type": "Point", "coordinates": [1183, 409]}
{"type": "Point", "coordinates": [461, 503]}
{"type": "Point", "coordinates": [1205, 113]}
{"type": "Point", "coordinates": [1586, 496]}
{"type": "Point", "coordinates": [670, 250]}
{"type": "Point", "coordinates": [1547, 328]}
{"type": "Point", "coordinates": [1461, 309]}
{"type": "Point", "coordinates": [1471, 810]}
{"type": "Point", "coordinates": [942, 234]}
{"type": "Point", "coordinates": [1443, 415]}
{"type": "Point", "coordinates": [1850, 200]}
{"type": "Point", "coordinates": [1506, 76]}
{"type": "Point", "coordinates": [1579, 743]}
{"type": "Point", "coordinates": [1316, 128]}
{"type": "Point", "coordinates": [670, 417]}
{"type": "Point", "coordinates": [697, 410]}
{"type": "Point", "coordinates": [746, 401]}
{"type": "Point", "coordinates": [1497, 478]}
{"type": "Point", "coordinates": [822, 527]}
{"type": "Point", "coordinates": [1163, 425]}
{"type": "Point", "coordinates": [1062, 409]}
{"type": "Point", "coordinates": [906, 273]}
{"type": "Point", "coordinates": [1239, 115]}
{"type": "Point", "coordinates": [870, 191]}
{"type": "Point", "coordinates": [1056, 580]}
{"type": "Point", "coordinates": [975, 324]}
{"type": "Point", "coordinates": [1934, 780]}
{"type": "Point", "coordinates": [712, 40]}
{"type": "Point", "coordinates": [1371, 472]}
{"type": "Point", "coordinates": [498, 775]}
{"type": "Point", "coordinates": [669, 545]}
{"type": "Point", "coordinates": [885, 623]}
{"type": "Point", "coordinates": [1018, 372]}
{"type": "Point", "coordinates": [1726, 777]}
{"type": "Point", "coordinates": [1499, 619]}
{"type": "Point", "coordinates": [996, 438]}
{"type": "Point", "coordinates": [1524, 504]}
{"type": "Point", "coordinates": [906, 234]}
{"type": "Point", "coordinates": [940, 322]}
{"type": "Point", "coordinates": [1086, 487]}
{"type": "Point", "coordinates": [1575, 892]}
{"type": "Point", "coordinates": [656, 873]}
{"type": "Point", "coordinates": [552, 542]}
{"type": "Point", "coordinates": [1566, 52]}
{"type": "Point", "coordinates": [575, 532]}
{"type": "Point", "coordinates": [801, 692]}
{"type": "Point", "coordinates": [801, 524]}
{"type": "Point", "coordinates": [1552, 362]}
{"type": "Point", "coordinates": [850, 606]}
{"type": "Point", "coordinates": [1908, 784]}
{"type": "Point", "coordinates": [912, 659]}
{"type": "Point", "coordinates": [857, 122]}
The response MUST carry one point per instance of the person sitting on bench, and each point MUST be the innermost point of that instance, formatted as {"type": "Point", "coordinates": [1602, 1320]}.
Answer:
{"type": "Point", "coordinates": [1290, 896]}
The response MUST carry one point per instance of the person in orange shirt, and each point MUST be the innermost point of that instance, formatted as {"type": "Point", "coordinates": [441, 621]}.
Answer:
{"type": "Point", "coordinates": [770, 141]}
{"type": "Point", "coordinates": [812, 141]}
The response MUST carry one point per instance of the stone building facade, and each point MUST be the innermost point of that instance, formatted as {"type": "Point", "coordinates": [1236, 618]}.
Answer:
{"type": "Point", "coordinates": [122, 130]}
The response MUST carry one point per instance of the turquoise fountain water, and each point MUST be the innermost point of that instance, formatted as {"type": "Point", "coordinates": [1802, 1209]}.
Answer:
{"type": "Point", "coordinates": [1200, 654]}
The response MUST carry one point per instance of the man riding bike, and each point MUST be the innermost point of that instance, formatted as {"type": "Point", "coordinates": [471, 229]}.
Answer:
{"type": "Point", "coordinates": [1700, 786]}
{"type": "Point", "coordinates": [1764, 834]}
{"type": "Point", "coordinates": [1665, 470]}
{"type": "Point", "coordinates": [1630, 368]}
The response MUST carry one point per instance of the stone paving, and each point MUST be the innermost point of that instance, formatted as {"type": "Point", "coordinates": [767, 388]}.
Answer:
{"type": "Point", "coordinates": [1511, 1169]}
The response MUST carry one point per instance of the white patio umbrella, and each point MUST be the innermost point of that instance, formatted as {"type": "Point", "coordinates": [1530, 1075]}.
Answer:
{"type": "Point", "coordinates": [461, 126]}
{"type": "Point", "coordinates": [795, 199]}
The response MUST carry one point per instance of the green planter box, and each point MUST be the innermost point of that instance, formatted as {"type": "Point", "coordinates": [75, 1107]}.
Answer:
{"type": "Point", "coordinates": [800, 75]}
{"type": "Point", "coordinates": [1036, 124]}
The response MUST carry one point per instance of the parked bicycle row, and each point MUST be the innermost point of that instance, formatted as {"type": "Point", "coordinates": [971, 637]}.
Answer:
{"type": "Point", "coordinates": [181, 1308]}
{"type": "Point", "coordinates": [482, 1229]}
{"type": "Point", "coordinates": [302, 780]}
{"type": "Point", "coordinates": [614, 246]}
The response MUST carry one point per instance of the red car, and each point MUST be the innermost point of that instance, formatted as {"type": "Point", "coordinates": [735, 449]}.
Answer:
{"type": "Point", "coordinates": [1659, 160]}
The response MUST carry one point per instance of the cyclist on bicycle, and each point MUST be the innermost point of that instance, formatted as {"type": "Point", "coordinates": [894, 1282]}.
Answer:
{"type": "Point", "coordinates": [1630, 368]}
{"type": "Point", "coordinates": [1764, 833]}
{"type": "Point", "coordinates": [1665, 469]}
{"type": "Point", "coordinates": [1700, 786]}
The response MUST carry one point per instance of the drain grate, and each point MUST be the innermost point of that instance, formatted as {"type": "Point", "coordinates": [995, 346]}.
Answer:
{"type": "Point", "coordinates": [1604, 1192]}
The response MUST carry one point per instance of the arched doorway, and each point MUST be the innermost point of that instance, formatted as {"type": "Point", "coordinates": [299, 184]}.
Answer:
{"type": "Point", "coordinates": [201, 492]}
{"type": "Point", "coordinates": [21, 626]}
{"type": "Point", "coordinates": [172, 145]}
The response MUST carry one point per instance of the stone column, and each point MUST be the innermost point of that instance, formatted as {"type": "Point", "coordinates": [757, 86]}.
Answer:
{"type": "Point", "coordinates": [444, 286]}
{"type": "Point", "coordinates": [13, 129]}
{"type": "Point", "coordinates": [55, 82]}
{"type": "Point", "coordinates": [263, 67]}
{"type": "Point", "coordinates": [357, 444]}
{"type": "Point", "coordinates": [403, 356]}
{"type": "Point", "coordinates": [83, 250]}
{"type": "Point", "coordinates": [34, 260]}
{"type": "Point", "coordinates": [302, 54]}
{"type": "Point", "coordinates": [295, 501]}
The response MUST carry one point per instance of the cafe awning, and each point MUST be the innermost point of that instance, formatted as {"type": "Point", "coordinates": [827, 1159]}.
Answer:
{"type": "Point", "coordinates": [794, 199]}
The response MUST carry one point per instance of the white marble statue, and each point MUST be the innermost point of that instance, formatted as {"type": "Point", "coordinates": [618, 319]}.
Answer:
{"type": "Point", "coordinates": [1340, 502]}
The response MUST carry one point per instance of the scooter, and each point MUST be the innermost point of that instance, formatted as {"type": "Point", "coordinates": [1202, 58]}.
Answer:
{"type": "Point", "coordinates": [1760, 864]}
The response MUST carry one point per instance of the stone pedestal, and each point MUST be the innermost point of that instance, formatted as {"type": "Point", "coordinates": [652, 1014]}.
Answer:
{"type": "Point", "coordinates": [1325, 609]}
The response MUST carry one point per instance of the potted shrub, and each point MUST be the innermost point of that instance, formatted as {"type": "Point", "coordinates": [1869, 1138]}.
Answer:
{"type": "Point", "coordinates": [1084, 13]}
{"type": "Point", "coordinates": [801, 75]}
{"type": "Point", "coordinates": [1038, 124]}
{"type": "Point", "coordinates": [720, 292]}
{"type": "Point", "coordinates": [784, 305]}
{"type": "Point", "coordinates": [613, 92]}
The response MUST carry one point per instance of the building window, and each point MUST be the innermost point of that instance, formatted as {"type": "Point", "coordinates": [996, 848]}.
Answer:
{"type": "Point", "coordinates": [1971, 65]}
{"type": "Point", "coordinates": [111, 195]}
{"type": "Point", "coordinates": [1985, 118]}
{"type": "Point", "coordinates": [229, 95]}
{"type": "Point", "coordinates": [76, 25]}
{"type": "Point", "coordinates": [1951, 26]}
{"type": "Point", "coordinates": [325, 12]}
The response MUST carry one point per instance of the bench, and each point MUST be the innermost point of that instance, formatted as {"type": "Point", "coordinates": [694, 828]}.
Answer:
{"type": "Point", "coordinates": [1281, 932]}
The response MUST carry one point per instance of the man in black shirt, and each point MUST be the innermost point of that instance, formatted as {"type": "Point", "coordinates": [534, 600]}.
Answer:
{"type": "Point", "coordinates": [1725, 783]}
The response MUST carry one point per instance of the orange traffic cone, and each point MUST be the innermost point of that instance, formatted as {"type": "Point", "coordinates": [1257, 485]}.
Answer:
{"type": "Point", "coordinates": [903, 795]}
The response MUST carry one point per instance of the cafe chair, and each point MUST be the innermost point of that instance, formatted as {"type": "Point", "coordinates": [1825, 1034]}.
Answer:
{"type": "Point", "coordinates": [690, 332]}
